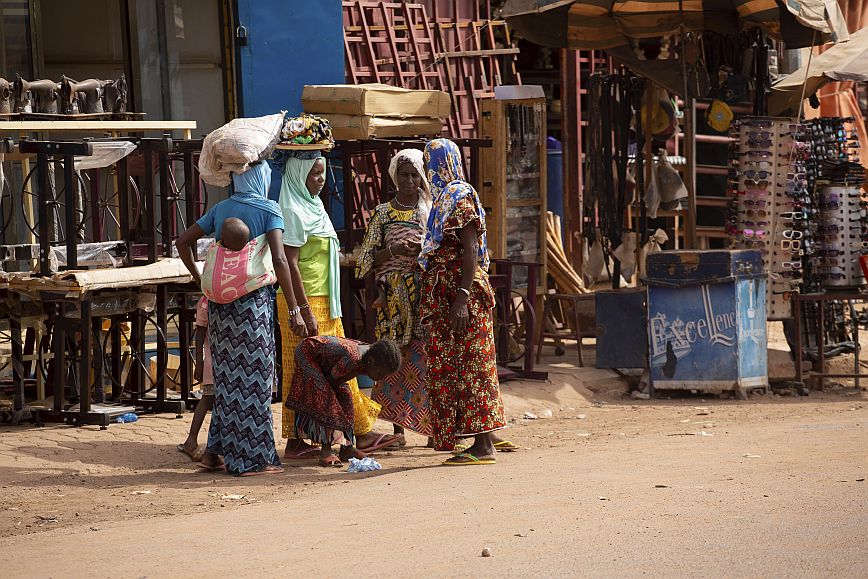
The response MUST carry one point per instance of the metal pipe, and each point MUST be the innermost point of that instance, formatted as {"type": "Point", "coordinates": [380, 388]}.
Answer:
{"type": "Point", "coordinates": [689, 154]}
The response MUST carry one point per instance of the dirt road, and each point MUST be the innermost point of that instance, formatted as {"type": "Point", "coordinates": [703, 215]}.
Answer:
{"type": "Point", "coordinates": [775, 486]}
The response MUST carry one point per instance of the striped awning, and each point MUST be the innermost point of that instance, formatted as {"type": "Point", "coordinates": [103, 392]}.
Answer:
{"type": "Point", "coordinates": [600, 24]}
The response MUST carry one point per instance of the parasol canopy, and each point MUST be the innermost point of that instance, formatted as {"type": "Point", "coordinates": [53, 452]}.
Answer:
{"type": "Point", "coordinates": [603, 24]}
{"type": "Point", "coordinates": [846, 61]}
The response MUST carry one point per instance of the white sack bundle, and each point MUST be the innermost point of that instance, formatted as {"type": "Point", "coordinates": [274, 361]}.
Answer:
{"type": "Point", "coordinates": [237, 144]}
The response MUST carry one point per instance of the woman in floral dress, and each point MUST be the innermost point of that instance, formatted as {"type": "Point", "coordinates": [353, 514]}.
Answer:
{"type": "Point", "coordinates": [456, 304]}
{"type": "Point", "coordinates": [389, 251]}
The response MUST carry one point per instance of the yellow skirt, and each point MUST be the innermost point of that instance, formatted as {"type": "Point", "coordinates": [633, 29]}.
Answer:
{"type": "Point", "coordinates": [364, 409]}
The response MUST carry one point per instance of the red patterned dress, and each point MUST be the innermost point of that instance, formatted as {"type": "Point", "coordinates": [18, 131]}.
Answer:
{"type": "Point", "coordinates": [463, 389]}
{"type": "Point", "coordinates": [323, 411]}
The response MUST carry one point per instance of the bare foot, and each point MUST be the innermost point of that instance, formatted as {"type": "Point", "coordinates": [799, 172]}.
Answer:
{"type": "Point", "coordinates": [328, 458]}
{"type": "Point", "coordinates": [482, 448]}
{"type": "Point", "coordinates": [348, 452]}
{"type": "Point", "coordinates": [211, 461]}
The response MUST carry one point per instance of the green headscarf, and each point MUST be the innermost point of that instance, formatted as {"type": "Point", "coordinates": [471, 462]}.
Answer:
{"type": "Point", "coordinates": [305, 215]}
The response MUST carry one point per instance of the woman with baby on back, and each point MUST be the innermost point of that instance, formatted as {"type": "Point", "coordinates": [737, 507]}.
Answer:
{"type": "Point", "coordinates": [240, 332]}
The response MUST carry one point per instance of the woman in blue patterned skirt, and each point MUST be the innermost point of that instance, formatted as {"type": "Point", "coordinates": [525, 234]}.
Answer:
{"type": "Point", "coordinates": [241, 335]}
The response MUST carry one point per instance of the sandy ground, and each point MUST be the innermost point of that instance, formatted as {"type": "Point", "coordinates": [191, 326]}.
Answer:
{"type": "Point", "coordinates": [607, 486]}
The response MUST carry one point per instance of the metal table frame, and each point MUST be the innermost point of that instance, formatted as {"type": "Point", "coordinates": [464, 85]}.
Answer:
{"type": "Point", "coordinates": [820, 299]}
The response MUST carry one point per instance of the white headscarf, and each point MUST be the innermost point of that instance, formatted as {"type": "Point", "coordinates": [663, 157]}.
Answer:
{"type": "Point", "coordinates": [416, 158]}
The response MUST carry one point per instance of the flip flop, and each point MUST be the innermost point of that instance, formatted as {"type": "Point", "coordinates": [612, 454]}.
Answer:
{"type": "Point", "coordinates": [459, 448]}
{"type": "Point", "coordinates": [384, 441]}
{"type": "Point", "coordinates": [266, 470]}
{"type": "Point", "coordinates": [208, 468]}
{"type": "Point", "coordinates": [472, 460]}
{"type": "Point", "coordinates": [301, 454]}
{"type": "Point", "coordinates": [195, 456]}
{"type": "Point", "coordinates": [331, 461]}
{"type": "Point", "coordinates": [506, 446]}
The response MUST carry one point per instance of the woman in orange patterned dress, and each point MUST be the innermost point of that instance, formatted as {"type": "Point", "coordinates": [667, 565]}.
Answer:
{"type": "Point", "coordinates": [457, 302]}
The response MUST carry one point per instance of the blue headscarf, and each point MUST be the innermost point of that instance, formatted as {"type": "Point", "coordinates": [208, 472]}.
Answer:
{"type": "Point", "coordinates": [448, 187]}
{"type": "Point", "coordinates": [251, 188]}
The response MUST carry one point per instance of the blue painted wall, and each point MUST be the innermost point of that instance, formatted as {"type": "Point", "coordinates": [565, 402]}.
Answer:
{"type": "Point", "coordinates": [290, 43]}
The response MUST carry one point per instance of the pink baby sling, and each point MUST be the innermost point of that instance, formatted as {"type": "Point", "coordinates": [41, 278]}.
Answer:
{"type": "Point", "coordinates": [229, 275]}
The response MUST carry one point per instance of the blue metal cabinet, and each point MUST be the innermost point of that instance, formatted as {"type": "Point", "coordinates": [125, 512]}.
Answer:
{"type": "Point", "coordinates": [622, 339]}
{"type": "Point", "coordinates": [707, 320]}
{"type": "Point", "coordinates": [288, 44]}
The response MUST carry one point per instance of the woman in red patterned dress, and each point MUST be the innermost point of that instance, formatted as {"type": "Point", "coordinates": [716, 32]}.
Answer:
{"type": "Point", "coordinates": [321, 397]}
{"type": "Point", "coordinates": [457, 301]}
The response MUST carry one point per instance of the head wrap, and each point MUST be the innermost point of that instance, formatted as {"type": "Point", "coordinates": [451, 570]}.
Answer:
{"type": "Point", "coordinates": [416, 158]}
{"type": "Point", "coordinates": [305, 215]}
{"type": "Point", "coordinates": [448, 187]}
{"type": "Point", "coordinates": [251, 188]}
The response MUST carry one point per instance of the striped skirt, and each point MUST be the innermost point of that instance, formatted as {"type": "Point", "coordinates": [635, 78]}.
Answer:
{"type": "Point", "coordinates": [242, 352]}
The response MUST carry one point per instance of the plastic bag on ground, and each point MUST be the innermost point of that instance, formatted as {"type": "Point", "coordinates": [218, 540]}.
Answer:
{"type": "Point", "coordinates": [364, 465]}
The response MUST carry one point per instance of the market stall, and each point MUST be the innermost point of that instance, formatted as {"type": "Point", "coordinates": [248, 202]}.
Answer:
{"type": "Point", "coordinates": [789, 188]}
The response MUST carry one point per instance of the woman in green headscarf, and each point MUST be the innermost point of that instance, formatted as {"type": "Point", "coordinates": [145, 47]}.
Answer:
{"type": "Point", "coordinates": [311, 247]}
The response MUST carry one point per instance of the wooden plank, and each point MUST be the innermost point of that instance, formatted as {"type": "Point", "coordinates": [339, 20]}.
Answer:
{"type": "Point", "coordinates": [32, 126]}
{"type": "Point", "coordinates": [483, 52]}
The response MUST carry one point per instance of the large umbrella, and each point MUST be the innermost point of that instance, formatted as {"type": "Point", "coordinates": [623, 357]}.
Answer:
{"type": "Point", "coordinates": [846, 61]}
{"type": "Point", "coordinates": [601, 24]}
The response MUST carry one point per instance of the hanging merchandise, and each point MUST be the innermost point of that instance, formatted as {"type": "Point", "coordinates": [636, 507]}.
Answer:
{"type": "Point", "coordinates": [671, 187]}
{"type": "Point", "coordinates": [719, 116]}
{"type": "Point", "coordinates": [660, 116]}
{"type": "Point", "coordinates": [594, 262]}
{"type": "Point", "coordinates": [626, 254]}
{"type": "Point", "coordinates": [614, 103]}
{"type": "Point", "coordinates": [652, 194]}
{"type": "Point", "coordinates": [731, 57]}
{"type": "Point", "coordinates": [653, 245]}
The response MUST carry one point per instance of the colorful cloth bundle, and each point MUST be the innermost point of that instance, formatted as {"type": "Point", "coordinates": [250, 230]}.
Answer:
{"type": "Point", "coordinates": [307, 130]}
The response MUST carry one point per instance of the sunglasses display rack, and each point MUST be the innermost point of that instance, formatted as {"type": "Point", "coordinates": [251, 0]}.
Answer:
{"type": "Point", "coordinates": [769, 208]}
{"type": "Point", "coordinates": [840, 237]}
{"type": "Point", "coordinates": [839, 232]}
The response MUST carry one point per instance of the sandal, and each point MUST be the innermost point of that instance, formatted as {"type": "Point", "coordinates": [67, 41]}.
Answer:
{"type": "Point", "coordinates": [211, 468]}
{"type": "Point", "coordinates": [331, 461]}
{"type": "Point", "coordinates": [506, 446]}
{"type": "Point", "coordinates": [383, 441]}
{"type": "Point", "coordinates": [305, 454]}
{"type": "Point", "coordinates": [195, 456]}
{"type": "Point", "coordinates": [465, 459]}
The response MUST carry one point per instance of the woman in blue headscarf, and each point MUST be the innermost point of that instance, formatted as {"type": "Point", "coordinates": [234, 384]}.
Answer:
{"type": "Point", "coordinates": [241, 335]}
{"type": "Point", "coordinates": [456, 302]}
